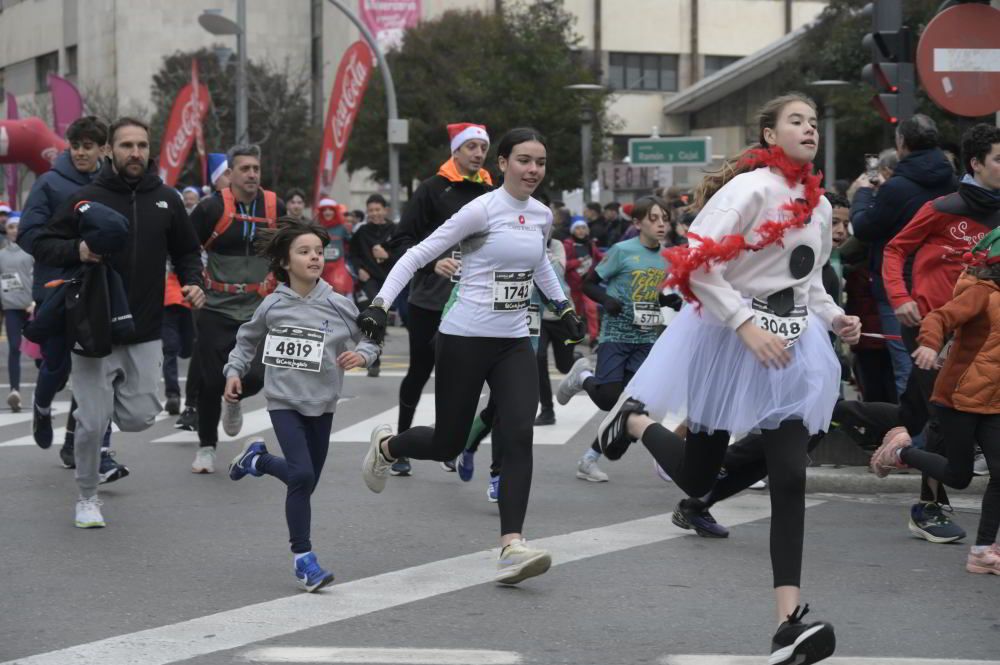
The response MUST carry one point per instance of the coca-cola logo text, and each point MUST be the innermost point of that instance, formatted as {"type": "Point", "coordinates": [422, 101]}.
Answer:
{"type": "Point", "coordinates": [351, 90]}
{"type": "Point", "coordinates": [180, 142]}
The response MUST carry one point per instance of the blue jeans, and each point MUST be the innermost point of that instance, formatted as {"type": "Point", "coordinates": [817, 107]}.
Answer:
{"type": "Point", "coordinates": [14, 319]}
{"type": "Point", "coordinates": [901, 361]}
{"type": "Point", "coordinates": [305, 441]}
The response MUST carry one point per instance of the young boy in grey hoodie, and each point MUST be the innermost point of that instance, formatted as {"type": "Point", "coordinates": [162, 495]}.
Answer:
{"type": "Point", "coordinates": [305, 327]}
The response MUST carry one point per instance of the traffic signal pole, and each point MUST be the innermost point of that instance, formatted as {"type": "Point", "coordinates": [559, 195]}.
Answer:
{"type": "Point", "coordinates": [891, 71]}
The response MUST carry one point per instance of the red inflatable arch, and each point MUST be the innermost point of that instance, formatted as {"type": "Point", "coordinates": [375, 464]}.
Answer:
{"type": "Point", "coordinates": [29, 142]}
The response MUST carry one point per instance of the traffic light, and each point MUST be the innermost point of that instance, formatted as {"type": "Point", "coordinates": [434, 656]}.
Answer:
{"type": "Point", "coordinates": [891, 71]}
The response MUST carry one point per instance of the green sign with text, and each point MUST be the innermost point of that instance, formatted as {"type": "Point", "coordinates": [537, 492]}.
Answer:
{"type": "Point", "coordinates": [673, 151]}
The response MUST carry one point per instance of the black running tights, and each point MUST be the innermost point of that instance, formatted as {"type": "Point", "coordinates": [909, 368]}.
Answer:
{"type": "Point", "coordinates": [551, 334]}
{"type": "Point", "coordinates": [463, 365]}
{"type": "Point", "coordinates": [421, 326]}
{"type": "Point", "coordinates": [694, 465]}
{"type": "Point", "coordinates": [962, 431]}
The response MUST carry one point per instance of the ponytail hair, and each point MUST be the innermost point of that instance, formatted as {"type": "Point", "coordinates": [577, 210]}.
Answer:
{"type": "Point", "coordinates": [767, 118]}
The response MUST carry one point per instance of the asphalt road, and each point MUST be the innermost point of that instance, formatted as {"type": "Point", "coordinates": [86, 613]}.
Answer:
{"type": "Point", "coordinates": [196, 568]}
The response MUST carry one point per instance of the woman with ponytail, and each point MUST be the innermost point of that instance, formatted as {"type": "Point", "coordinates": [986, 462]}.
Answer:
{"type": "Point", "coordinates": [752, 353]}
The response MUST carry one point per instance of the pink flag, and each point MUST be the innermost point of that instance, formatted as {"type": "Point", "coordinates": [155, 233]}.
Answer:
{"type": "Point", "coordinates": [11, 169]}
{"type": "Point", "coordinates": [67, 105]}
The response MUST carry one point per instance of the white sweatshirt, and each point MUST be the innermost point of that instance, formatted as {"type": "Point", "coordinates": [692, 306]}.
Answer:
{"type": "Point", "coordinates": [503, 251]}
{"type": "Point", "coordinates": [739, 207]}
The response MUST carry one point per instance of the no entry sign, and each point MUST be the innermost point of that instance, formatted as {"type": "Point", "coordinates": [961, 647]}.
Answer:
{"type": "Point", "coordinates": [959, 60]}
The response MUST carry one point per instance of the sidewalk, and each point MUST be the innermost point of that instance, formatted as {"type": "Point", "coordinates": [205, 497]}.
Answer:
{"type": "Point", "coordinates": [859, 480]}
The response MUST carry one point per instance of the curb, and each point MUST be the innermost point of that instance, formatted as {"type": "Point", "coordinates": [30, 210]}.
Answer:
{"type": "Point", "coordinates": [859, 480]}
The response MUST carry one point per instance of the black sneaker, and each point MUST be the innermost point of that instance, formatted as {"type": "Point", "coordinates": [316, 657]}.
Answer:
{"type": "Point", "coordinates": [67, 453]}
{"type": "Point", "coordinates": [545, 417]}
{"type": "Point", "coordinates": [612, 435]}
{"type": "Point", "coordinates": [110, 470]}
{"type": "Point", "coordinates": [692, 514]}
{"type": "Point", "coordinates": [188, 420]}
{"type": "Point", "coordinates": [401, 467]}
{"type": "Point", "coordinates": [41, 428]}
{"type": "Point", "coordinates": [932, 522]}
{"type": "Point", "coordinates": [173, 404]}
{"type": "Point", "coordinates": [797, 643]}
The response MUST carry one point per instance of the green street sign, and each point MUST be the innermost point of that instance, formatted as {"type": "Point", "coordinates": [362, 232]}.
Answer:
{"type": "Point", "coordinates": [673, 151]}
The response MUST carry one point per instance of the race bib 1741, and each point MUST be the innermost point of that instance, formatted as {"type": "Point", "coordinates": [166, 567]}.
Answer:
{"type": "Point", "coordinates": [294, 348]}
{"type": "Point", "coordinates": [512, 290]}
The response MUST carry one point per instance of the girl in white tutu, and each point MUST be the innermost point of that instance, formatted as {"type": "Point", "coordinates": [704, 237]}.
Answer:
{"type": "Point", "coordinates": [752, 354]}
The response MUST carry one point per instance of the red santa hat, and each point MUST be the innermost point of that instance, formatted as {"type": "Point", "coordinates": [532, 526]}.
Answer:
{"type": "Point", "coordinates": [326, 202]}
{"type": "Point", "coordinates": [460, 132]}
{"type": "Point", "coordinates": [4, 208]}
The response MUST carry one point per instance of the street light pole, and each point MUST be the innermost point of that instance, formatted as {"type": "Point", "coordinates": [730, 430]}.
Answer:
{"type": "Point", "coordinates": [241, 72]}
{"type": "Point", "coordinates": [586, 131]}
{"type": "Point", "coordinates": [397, 129]}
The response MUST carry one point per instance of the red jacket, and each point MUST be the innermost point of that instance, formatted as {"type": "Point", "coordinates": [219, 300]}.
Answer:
{"type": "Point", "coordinates": [941, 232]}
{"type": "Point", "coordinates": [581, 258]}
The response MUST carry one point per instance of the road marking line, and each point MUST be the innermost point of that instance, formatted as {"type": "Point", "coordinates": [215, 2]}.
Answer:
{"type": "Point", "coordinates": [59, 434]}
{"type": "Point", "coordinates": [254, 422]}
{"type": "Point", "coordinates": [26, 414]}
{"type": "Point", "coordinates": [372, 655]}
{"type": "Point", "coordinates": [967, 59]}
{"type": "Point", "coordinates": [756, 660]}
{"type": "Point", "coordinates": [251, 624]}
{"type": "Point", "coordinates": [361, 431]}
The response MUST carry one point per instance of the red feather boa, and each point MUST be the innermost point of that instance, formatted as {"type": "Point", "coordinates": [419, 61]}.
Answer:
{"type": "Point", "coordinates": [685, 260]}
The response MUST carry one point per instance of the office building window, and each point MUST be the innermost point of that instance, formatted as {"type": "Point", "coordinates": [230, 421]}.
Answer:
{"type": "Point", "coordinates": [642, 71]}
{"type": "Point", "coordinates": [45, 65]}
{"type": "Point", "coordinates": [714, 63]}
{"type": "Point", "coordinates": [70, 67]}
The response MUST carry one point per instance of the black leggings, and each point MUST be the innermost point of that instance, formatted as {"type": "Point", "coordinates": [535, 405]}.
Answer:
{"type": "Point", "coordinates": [488, 416]}
{"type": "Point", "coordinates": [962, 431]}
{"type": "Point", "coordinates": [552, 334]}
{"type": "Point", "coordinates": [216, 338]}
{"type": "Point", "coordinates": [694, 465]}
{"type": "Point", "coordinates": [421, 327]}
{"type": "Point", "coordinates": [464, 365]}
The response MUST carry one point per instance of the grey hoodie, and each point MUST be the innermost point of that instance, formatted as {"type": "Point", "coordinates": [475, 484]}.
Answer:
{"type": "Point", "coordinates": [311, 393]}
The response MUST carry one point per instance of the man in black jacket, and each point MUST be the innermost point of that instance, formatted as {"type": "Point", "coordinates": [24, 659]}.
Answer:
{"type": "Point", "coordinates": [123, 385]}
{"type": "Point", "coordinates": [923, 174]}
{"type": "Point", "coordinates": [459, 180]}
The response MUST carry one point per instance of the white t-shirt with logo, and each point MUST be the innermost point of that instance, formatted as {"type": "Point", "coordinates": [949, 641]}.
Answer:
{"type": "Point", "coordinates": [503, 256]}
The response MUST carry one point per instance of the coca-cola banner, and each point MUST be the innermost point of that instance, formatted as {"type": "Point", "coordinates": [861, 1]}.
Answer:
{"type": "Point", "coordinates": [184, 124]}
{"type": "Point", "coordinates": [67, 105]}
{"type": "Point", "coordinates": [387, 19]}
{"type": "Point", "coordinates": [348, 89]}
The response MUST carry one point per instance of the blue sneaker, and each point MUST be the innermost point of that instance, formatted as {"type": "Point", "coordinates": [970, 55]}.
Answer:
{"type": "Point", "coordinates": [932, 522]}
{"type": "Point", "coordinates": [465, 465]}
{"type": "Point", "coordinates": [310, 574]}
{"type": "Point", "coordinates": [692, 514]}
{"type": "Point", "coordinates": [242, 464]}
{"type": "Point", "coordinates": [401, 467]}
{"type": "Point", "coordinates": [493, 491]}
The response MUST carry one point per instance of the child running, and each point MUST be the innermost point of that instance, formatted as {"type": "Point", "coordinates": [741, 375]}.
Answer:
{"type": "Point", "coordinates": [754, 355]}
{"type": "Point", "coordinates": [16, 269]}
{"type": "Point", "coordinates": [965, 396]}
{"type": "Point", "coordinates": [305, 327]}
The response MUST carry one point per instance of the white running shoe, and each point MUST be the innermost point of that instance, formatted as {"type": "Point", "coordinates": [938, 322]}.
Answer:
{"type": "Point", "coordinates": [232, 417]}
{"type": "Point", "coordinates": [375, 467]}
{"type": "Point", "coordinates": [759, 485]}
{"type": "Point", "coordinates": [88, 513]}
{"type": "Point", "coordinates": [14, 401]}
{"type": "Point", "coordinates": [518, 562]}
{"type": "Point", "coordinates": [572, 383]}
{"type": "Point", "coordinates": [979, 467]}
{"type": "Point", "coordinates": [204, 460]}
{"type": "Point", "coordinates": [587, 469]}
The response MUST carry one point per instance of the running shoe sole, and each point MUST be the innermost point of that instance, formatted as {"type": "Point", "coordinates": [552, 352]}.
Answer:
{"type": "Point", "coordinates": [812, 646]}
{"type": "Point", "coordinates": [119, 472]}
{"type": "Point", "coordinates": [533, 567]}
{"type": "Point", "coordinates": [929, 537]}
{"type": "Point", "coordinates": [316, 587]}
{"type": "Point", "coordinates": [89, 525]}
{"type": "Point", "coordinates": [589, 478]}
{"type": "Point", "coordinates": [982, 570]}
{"type": "Point", "coordinates": [373, 480]}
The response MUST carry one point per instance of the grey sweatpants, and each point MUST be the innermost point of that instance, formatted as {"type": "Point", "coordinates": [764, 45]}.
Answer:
{"type": "Point", "coordinates": [121, 386]}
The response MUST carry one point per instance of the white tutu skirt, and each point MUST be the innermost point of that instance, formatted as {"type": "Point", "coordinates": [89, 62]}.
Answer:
{"type": "Point", "coordinates": [699, 370]}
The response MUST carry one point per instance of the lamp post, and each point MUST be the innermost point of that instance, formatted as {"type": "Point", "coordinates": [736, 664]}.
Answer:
{"type": "Point", "coordinates": [586, 132]}
{"type": "Point", "coordinates": [829, 131]}
{"type": "Point", "coordinates": [217, 24]}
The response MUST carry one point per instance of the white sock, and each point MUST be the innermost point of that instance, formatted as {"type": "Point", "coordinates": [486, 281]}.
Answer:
{"type": "Point", "coordinates": [45, 411]}
{"type": "Point", "coordinates": [591, 455]}
{"type": "Point", "coordinates": [979, 549]}
{"type": "Point", "coordinates": [299, 556]}
{"type": "Point", "coordinates": [584, 375]}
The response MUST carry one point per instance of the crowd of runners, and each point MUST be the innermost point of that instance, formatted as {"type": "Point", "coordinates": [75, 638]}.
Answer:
{"type": "Point", "coordinates": [721, 325]}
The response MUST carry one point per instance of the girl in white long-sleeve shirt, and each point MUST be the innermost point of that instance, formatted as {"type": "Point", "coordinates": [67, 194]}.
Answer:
{"type": "Point", "coordinates": [753, 355]}
{"type": "Point", "coordinates": [484, 339]}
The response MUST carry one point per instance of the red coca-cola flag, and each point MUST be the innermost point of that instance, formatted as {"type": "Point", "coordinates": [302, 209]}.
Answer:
{"type": "Point", "coordinates": [184, 124]}
{"type": "Point", "coordinates": [348, 89]}
{"type": "Point", "coordinates": [199, 138]}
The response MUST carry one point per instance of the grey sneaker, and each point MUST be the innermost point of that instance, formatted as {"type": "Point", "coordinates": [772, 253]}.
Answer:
{"type": "Point", "coordinates": [587, 469]}
{"type": "Point", "coordinates": [518, 562]}
{"type": "Point", "coordinates": [375, 467]}
{"type": "Point", "coordinates": [232, 417]}
{"type": "Point", "coordinates": [204, 460]}
{"type": "Point", "coordinates": [572, 383]}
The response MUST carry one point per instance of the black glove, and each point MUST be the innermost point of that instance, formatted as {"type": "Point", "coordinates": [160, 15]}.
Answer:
{"type": "Point", "coordinates": [573, 325]}
{"type": "Point", "coordinates": [671, 300]}
{"type": "Point", "coordinates": [612, 306]}
{"type": "Point", "coordinates": [372, 322]}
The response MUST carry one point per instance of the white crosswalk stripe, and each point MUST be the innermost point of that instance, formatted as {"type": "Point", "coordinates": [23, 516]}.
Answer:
{"type": "Point", "coordinates": [59, 434]}
{"type": "Point", "coordinates": [25, 415]}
